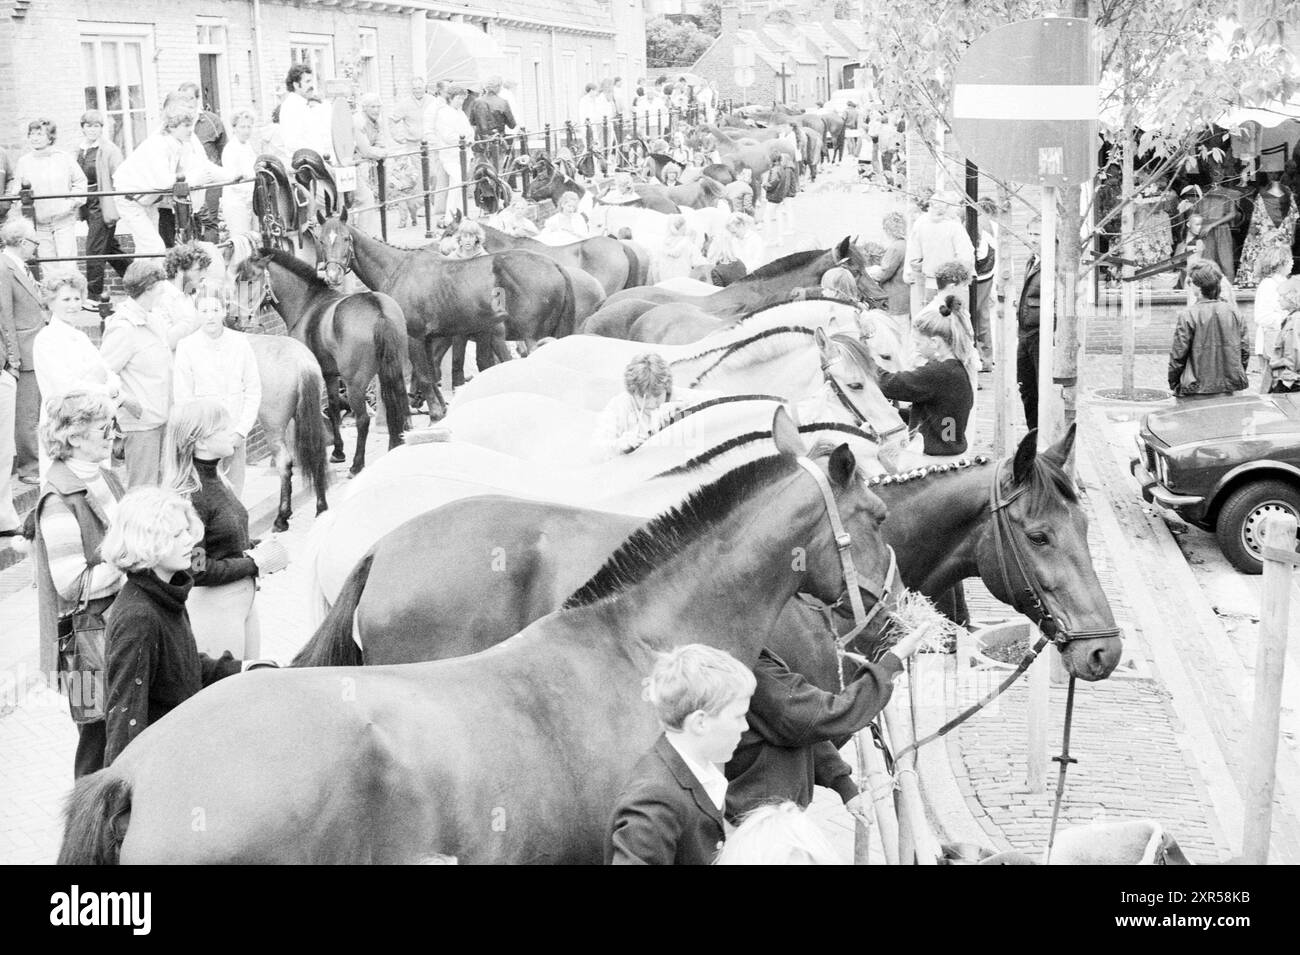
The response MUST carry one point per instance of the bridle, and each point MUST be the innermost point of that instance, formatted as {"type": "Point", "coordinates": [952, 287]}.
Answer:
{"type": "Point", "coordinates": [1005, 542]}
{"type": "Point", "coordinates": [339, 236]}
{"type": "Point", "coordinates": [842, 396]}
{"type": "Point", "coordinates": [853, 582]}
{"type": "Point", "coordinates": [247, 315]}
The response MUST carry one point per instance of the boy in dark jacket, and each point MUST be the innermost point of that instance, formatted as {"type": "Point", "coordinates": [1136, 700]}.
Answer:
{"type": "Point", "coordinates": [670, 810]}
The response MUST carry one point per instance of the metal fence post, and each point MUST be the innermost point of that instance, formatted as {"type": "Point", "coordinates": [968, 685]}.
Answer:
{"type": "Point", "coordinates": [381, 178]}
{"type": "Point", "coordinates": [604, 135]}
{"type": "Point", "coordinates": [464, 178]}
{"type": "Point", "coordinates": [568, 134]}
{"type": "Point", "coordinates": [428, 199]}
{"type": "Point", "coordinates": [181, 209]}
{"type": "Point", "coordinates": [27, 200]}
{"type": "Point", "coordinates": [546, 132]}
{"type": "Point", "coordinates": [523, 167]}
{"type": "Point", "coordinates": [634, 124]}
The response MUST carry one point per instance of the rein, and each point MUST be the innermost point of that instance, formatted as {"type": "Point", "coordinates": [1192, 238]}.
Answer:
{"type": "Point", "coordinates": [843, 398]}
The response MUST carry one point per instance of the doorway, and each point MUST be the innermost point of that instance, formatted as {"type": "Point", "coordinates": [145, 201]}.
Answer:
{"type": "Point", "coordinates": [209, 83]}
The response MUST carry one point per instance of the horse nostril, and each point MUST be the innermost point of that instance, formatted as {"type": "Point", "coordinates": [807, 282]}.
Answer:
{"type": "Point", "coordinates": [1103, 660]}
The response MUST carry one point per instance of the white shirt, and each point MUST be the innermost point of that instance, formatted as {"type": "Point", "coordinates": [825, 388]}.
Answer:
{"type": "Point", "coordinates": [1269, 314]}
{"type": "Point", "coordinates": [66, 359]}
{"type": "Point", "coordinates": [588, 109]}
{"type": "Point", "coordinates": [304, 125]}
{"type": "Point", "coordinates": [155, 163]}
{"type": "Point", "coordinates": [238, 160]}
{"type": "Point", "coordinates": [449, 125]}
{"type": "Point", "coordinates": [710, 777]}
{"type": "Point", "coordinates": [223, 368]}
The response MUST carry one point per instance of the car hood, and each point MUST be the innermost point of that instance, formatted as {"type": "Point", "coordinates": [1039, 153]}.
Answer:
{"type": "Point", "coordinates": [1210, 419]}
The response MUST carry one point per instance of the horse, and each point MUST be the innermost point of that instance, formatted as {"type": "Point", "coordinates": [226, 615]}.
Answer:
{"type": "Point", "coordinates": [442, 298]}
{"type": "Point", "coordinates": [551, 180]}
{"type": "Point", "coordinates": [289, 414]}
{"type": "Point", "coordinates": [400, 764]}
{"type": "Point", "coordinates": [610, 260]}
{"type": "Point", "coordinates": [413, 598]}
{"type": "Point", "coordinates": [354, 338]}
{"type": "Point", "coordinates": [764, 287]}
{"type": "Point", "coordinates": [735, 150]}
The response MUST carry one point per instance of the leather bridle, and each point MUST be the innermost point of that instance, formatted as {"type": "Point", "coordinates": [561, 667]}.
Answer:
{"type": "Point", "coordinates": [247, 315]}
{"type": "Point", "coordinates": [842, 396]}
{"type": "Point", "coordinates": [1005, 542]}
{"type": "Point", "coordinates": [853, 582]}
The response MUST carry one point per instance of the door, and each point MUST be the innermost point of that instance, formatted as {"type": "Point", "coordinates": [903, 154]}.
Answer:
{"type": "Point", "coordinates": [210, 82]}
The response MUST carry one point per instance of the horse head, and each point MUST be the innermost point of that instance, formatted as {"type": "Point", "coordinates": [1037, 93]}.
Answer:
{"type": "Point", "coordinates": [250, 291]}
{"type": "Point", "coordinates": [851, 376]}
{"type": "Point", "coordinates": [334, 246]}
{"type": "Point", "coordinates": [1035, 557]}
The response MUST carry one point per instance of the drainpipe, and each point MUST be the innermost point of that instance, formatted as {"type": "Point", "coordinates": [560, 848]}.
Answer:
{"type": "Point", "coordinates": [258, 90]}
{"type": "Point", "coordinates": [557, 118]}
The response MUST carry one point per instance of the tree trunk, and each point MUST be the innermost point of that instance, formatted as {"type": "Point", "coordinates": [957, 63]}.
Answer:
{"type": "Point", "coordinates": [1128, 293]}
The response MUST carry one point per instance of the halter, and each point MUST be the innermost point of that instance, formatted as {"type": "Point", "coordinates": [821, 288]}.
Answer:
{"type": "Point", "coordinates": [842, 396]}
{"type": "Point", "coordinates": [1004, 541]}
{"type": "Point", "coordinates": [853, 584]}
{"type": "Point", "coordinates": [247, 316]}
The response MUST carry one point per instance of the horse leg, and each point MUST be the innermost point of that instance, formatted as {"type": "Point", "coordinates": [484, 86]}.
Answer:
{"type": "Point", "coordinates": [361, 415]}
{"type": "Point", "coordinates": [284, 467]}
{"type": "Point", "coordinates": [458, 345]}
{"type": "Point", "coordinates": [335, 403]}
{"type": "Point", "coordinates": [436, 348]}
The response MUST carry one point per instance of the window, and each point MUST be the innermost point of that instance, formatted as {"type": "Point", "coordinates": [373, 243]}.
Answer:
{"type": "Point", "coordinates": [523, 94]}
{"type": "Point", "coordinates": [214, 72]}
{"type": "Point", "coordinates": [368, 59]}
{"type": "Point", "coordinates": [315, 50]}
{"type": "Point", "coordinates": [570, 90]}
{"type": "Point", "coordinates": [113, 78]}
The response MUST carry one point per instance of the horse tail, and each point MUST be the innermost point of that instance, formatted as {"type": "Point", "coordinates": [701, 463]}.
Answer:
{"type": "Point", "coordinates": [309, 428]}
{"type": "Point", "coordinates": [389, 342]}
{"type": "Point", "coordinates": [565, 319]}
{"type": "Point", "coordinates": [636, 268]}
{"type": "Point", "coordinates": [91, 833]}
{"type": "Point", "coordinates": [332, 644]}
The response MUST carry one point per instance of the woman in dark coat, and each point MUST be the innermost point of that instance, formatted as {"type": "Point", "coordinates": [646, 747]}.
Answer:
{"type": "Point", "coordinates": [153, 663]}
{"type": "Point", "coordinates": [1210, 352]}
{"type": "Point", "coordinates": [78, 502]}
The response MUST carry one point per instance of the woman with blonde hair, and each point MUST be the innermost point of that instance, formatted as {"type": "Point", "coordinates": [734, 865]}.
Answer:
{"type": "Point", "coordinates": [226, 566]}
{"type": "Point", "coordinates": [79, 499]}
{"type": "Point", "coordinates": [940, 387]}
{"type": "Point", "coordinates": [778, 834]}
{"type": "Point", "coordinates": [1271, 269]}
{"type": "Point", "coordinates": [238, 158]}
{"type": "Point", "coordinates": [153, 663]}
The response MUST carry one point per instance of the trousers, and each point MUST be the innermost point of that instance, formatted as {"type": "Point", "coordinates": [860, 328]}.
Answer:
{"type": "Point", "coordinates": [8, 401]}
{"type": "Point", "coordinates": [142, 223]}
{"type": "Point", "coordinates": [1027, 376]}
{"type": "Point", "coordinates": [101, 239]}
{"type": "Point", "coordinates": [27, 414]}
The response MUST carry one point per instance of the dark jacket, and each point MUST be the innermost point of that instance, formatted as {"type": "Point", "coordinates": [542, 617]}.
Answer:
{"type": "Point", "coordinates": [153, 663]}
{"type": "Point", "coordinates": [99, 176]}
{"type": "Point", "coordinates": [1027, 310]}
{"type": "Point", "coordinates": [1210, 352]}
{"type": "Point", "coordinates": [782, 185]}
{"type": "Point", "coordinates": [898, 291]}
{"type": "Point", "coordinates": [21, 314]}
{"type": "Point", "coordinates": [663, 816]}
{"type": "Point", "coordinates": [941, 398]}
{"type": "Point", "coordinates": [220, 558]}
{"type": "Point", "coordinates": [491, 114]}
{"type": "Point", "coordinates": [789, 746]}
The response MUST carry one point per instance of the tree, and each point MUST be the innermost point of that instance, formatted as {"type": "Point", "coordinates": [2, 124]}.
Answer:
{"type": "Point", "coordinates": [670, 44]}
{"type": "Point", "coordinates": [843, 10]}
{"type": "Point", "coordinates": [1162, 82]}
{"type": "Point", "coordinates": [711, 17]}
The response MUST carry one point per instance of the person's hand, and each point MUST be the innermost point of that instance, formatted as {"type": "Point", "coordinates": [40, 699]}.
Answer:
{"type": "Point", "coordinates": [857, 806]}
{"type": "Point", "coordinates": [240, 439]}
{"type": "Point", "coordinates": [132, 406]}
{"type": "Point", "coordinates": [270, 556]}
{"type": "Point", "coordinates": [629, 441]}
{"type": "Point", "coordinates": [912, 641]}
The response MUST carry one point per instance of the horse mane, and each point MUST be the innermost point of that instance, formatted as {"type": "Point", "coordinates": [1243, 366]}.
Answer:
{"type": "Point", "coordinates": [920, 474]}
{"type": "Point", "coordinates": [661, 540]}
{"type": "Point", "coordinates": [297, 267]}
{"type": "Point", "coordinates": [753, 355]}
{"type": "Point", "coordinates": [1049, 479]}
{"type": "Point", "coordinates": [777, 304]}
{"type": "Point", "coordinates": [726, 447]}
{"type": "Point", "coordinates": [786, 263]}
{"type": "Point", "coordinates": [683, 413]}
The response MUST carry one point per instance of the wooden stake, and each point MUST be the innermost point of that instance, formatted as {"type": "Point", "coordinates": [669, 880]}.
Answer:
{"type": "Point", "coordinates": [1270, 665]}
{"type": "Point", "coordinates": [1036, 715]}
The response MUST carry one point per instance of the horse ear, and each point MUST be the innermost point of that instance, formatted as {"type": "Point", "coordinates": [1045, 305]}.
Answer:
{"type": "Point", "coordinates": [843, 466]}
{"type": "Point", "coordinates": [1061, 452]}
{"type": "Point", "coordinates": [320, 216]}
{"type": "Point", "coordinates": [842, 250]}
{"type": "Point", "coordinates": [1023, 463]}
{"type": "Point", "coordinates": [823, 344]}
{"type": "Point", "coordinates": [786, 434]}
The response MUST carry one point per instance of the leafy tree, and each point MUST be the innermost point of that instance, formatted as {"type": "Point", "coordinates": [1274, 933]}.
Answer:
{"type": "Point", "coordinates": [1162, 81]}
{"type": "Point", "coordinates": [674, 44]}
{"type": "Point", "coordinates": [711, 17]}
{"type": "Point", "coordinates": [843, 10]}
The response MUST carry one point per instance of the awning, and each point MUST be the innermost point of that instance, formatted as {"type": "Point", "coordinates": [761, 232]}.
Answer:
{"type": "Point", "coordinates": [462, 53]}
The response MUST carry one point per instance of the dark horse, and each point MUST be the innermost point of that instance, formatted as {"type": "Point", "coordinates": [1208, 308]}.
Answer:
{"type": "Point", "coordinates": [442, 298]}
{"type": "Point", "coordinates": [509, 756]}
{"type": "Point", "coordinates": [614, 265]}
{"type": "Point", "coordinates": [354, 338]}
{"type": "Point", "coordinates": [941, 528]}
{"type": "Point", "coordinates": [765, 286]}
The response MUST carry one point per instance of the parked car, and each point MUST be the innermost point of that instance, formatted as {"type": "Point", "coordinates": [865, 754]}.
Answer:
{"type": "Point", "coordinates": [1224, 464]}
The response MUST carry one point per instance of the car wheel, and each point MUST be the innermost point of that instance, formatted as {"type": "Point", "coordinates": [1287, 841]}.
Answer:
{"type": "Point", "coordinates": [1240, 527]}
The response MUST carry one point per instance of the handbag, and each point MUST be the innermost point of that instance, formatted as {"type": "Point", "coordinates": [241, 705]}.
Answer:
{"type": "Point", "coordinates": [83, 656]}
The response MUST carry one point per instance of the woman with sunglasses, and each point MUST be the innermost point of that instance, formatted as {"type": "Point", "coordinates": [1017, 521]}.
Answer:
{"type": "Point", "coordinates": [78, 502]}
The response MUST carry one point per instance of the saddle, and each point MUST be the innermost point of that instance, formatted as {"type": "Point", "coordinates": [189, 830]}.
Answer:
{"type": "Point", "coordinates": [311, 172]}
{"type": "Point", "coordinates": [278, 204]}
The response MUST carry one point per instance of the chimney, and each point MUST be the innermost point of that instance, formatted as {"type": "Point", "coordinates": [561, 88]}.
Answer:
{"type": "Point", "coordinates": [730, 19]}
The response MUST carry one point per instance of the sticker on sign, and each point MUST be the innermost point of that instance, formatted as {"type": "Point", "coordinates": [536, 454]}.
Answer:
{"type": "Point", "coordinates": [1051, 160]}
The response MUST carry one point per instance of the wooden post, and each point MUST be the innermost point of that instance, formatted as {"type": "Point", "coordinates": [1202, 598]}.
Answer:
{"type": "Point", "coordinates": [381, 176]}
{"type": "Point", "coordinates": [1006, 338]}
{"type": "Point", "coordinates": [917, 843]}
{"type": "Point", "coordinates": [1128, 290]}
{"type": "Point", "coordinates": [1040, 674]}
{"type": "Point", "coordinates": [880, 788]}
{"type": "Point", "coordinates": [1270, 665]}
{"type": "Point", "coordinates": [1047, 410]}
{"type": "Point", "coordinates": [426, 183]}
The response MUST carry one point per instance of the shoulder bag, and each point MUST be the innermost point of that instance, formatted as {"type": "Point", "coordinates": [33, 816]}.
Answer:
{"type": "Point", "coordinates": [83, 655]}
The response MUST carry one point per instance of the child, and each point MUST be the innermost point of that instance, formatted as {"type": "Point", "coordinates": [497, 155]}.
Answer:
{"type": "Point", "coordinates": [631, 417]}
{"type": "Point", "coordinates": [778, 834]}
{"type": "Point", "coordinates": [670, 811]}
{"type": "Point", "coordinates": [678, 256]}
{"type": "Point", "coordinates": [515, 221]}
{"type": "Point", "coordinates": [780, 188]}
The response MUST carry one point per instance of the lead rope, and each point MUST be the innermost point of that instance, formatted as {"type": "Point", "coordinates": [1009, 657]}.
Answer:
{"type": "Point", "coordinates": [1065, 759]}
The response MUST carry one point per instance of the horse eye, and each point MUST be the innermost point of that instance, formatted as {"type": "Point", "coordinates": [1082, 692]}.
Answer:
{"type": "Point", "coordinates": [855, 386]}
{"type": "Point", "coordinates": [1039, 539]}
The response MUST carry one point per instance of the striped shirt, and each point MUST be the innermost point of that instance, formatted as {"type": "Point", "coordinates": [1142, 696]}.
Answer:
{"type": "Point", "coordinates": [62, 536]}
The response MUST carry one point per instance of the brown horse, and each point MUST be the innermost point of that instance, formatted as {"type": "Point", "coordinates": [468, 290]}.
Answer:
{"type": "Point", "coordinates": [400, 764]}
{"type": "Point", "coordinates": [354, 338]}
{"type": "Point", "coordinates": [765, 286]}
{"type": "Point", "coordinates": [608, 259]}
{"type": "Point", "coordinates": [941, 529]}
{"type": "Point", "coordinates": [442, 298]}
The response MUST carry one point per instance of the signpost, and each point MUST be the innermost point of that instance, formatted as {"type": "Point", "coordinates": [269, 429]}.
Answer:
{"type": "Point", "coordinates": [1024, 107]}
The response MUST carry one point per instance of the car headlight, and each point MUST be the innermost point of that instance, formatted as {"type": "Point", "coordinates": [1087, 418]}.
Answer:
{"type": "Point", "coordinates": [1162, 469]}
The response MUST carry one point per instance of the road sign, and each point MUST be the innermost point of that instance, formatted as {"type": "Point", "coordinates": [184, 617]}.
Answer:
{"type": "Point", "coordinates": [343, 134]}
{"type": "Point", "coordinates": [744, 76]}
{"type": "Point", "coordinates": [1024, 103]}
{"type": "Point", "coordinates": [742, 55]}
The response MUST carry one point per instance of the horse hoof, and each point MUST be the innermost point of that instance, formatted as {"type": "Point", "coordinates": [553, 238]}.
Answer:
{"type": "Point", "coordinates": [355, 469]}
{"type": "Point", "coordinates": [338, 457]}
{"type": "Point", "coordinates": [280, 525]}
{"type": "Point", "coordinates": [321, 509]}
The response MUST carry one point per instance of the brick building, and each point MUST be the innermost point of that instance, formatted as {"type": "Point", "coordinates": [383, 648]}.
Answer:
{"type": "Point", "coordinates": [797, 63]}
{"type": "Point", "coordinates": [58, 57]}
